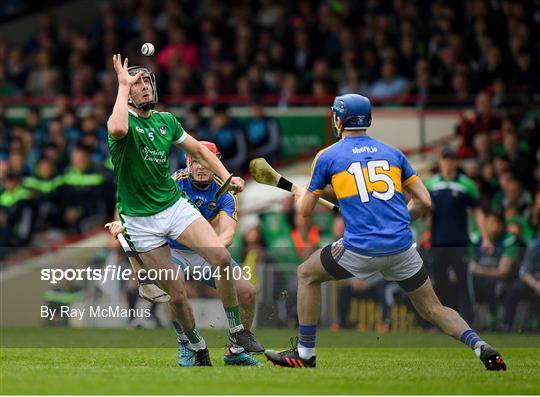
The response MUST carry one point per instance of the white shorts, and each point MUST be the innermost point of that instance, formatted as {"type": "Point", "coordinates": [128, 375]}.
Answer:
{"type": "Point", "coordinates": [148, 232]}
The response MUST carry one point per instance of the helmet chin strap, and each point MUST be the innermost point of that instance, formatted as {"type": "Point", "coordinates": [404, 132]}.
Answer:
{"type": "Point", "coordinates": [201, 185]}
{"type": "Point", "coordinates": [143, 106]}
{"type": "Point", "coordinates": [336, 126]}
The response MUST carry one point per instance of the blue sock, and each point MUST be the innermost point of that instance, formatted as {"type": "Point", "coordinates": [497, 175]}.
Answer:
{"type": "Point", "coordinates": [306, 336]}
{"type": "Point", "coordinates": [471, 339]}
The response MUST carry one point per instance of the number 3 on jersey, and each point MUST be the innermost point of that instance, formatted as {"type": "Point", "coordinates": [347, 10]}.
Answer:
{"type": "Point", "coordinates": [373, 176]}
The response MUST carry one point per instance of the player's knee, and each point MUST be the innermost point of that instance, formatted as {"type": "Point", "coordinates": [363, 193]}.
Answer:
{"type": "Point", "coordinates": [304, 275]}
{"type": "Point", "coordinates": [178, 296]}
{"type": "Point", "coordinates": [221, 258]}
{"type": "Point", "coordinates": [247, 295]}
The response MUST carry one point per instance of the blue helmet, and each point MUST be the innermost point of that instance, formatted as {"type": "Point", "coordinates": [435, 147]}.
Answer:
{"type": "Point", "coordinates": [353, 110]}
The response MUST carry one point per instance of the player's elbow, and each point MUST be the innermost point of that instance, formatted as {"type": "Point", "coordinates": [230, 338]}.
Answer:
{"type": "Point", "coordinates": [118, 134]}
{"type": "Point", "coordinates": [426, 203]}
{"type": "Point", "coordinates": [117, 130]}
{"type": "Point", "coordinates": [423, 202]}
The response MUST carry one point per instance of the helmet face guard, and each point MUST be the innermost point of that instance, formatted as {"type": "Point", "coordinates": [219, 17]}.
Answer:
{"type": "Point", "coordinates": [202, 184]}
{"type": "Point", "coordinates": [133, 70]}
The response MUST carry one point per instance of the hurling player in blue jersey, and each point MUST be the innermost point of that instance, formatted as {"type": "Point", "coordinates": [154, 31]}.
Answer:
{"type": "Point", "coordinates": [369, 179]}
{"type": "Point", "coordinates": [201, 186]}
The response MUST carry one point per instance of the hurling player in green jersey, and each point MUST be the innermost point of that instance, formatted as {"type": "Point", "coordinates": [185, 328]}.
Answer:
{"type": "Point", "coordinates": [152, 207]}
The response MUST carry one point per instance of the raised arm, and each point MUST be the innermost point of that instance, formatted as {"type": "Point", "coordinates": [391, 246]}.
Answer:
{"type": "Point", "coordinates": [117, 125]}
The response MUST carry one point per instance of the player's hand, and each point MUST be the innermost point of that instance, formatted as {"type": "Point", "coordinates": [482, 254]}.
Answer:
{"type": "Point", "coordinates": [487, 246]}
{"type": "Point", "coordinates": [115, 228]}
{"type": "Point", "coordinates": [124, 78]}
{"type": "Point", "coordinates": [474, 267]}
{"type": "Point", "coordinates": [237, 184]}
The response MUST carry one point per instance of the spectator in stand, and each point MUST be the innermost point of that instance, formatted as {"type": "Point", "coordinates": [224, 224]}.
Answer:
{"type": "Point", "coordinates": [482, 146]}
{"type": "Point", "coordinates": [453, 195]}
{"type": "Point", "coordinates": [228, 135]}
{"type": "Point", "coordinates": [390, 84]}
{"type": "Point", "coordinates": [305, 236]}
{"type": "Point", "coordinates": [15, 214]}
{"type": "Point", "coordinates": [527, 287]}
{"type": "Point", "coordinates": [482, 121]}
{"type": "Point", "coordinates": [7, 87]}
{"type": "Point", "coordinates": [44, 185]}
{"type": "Point", "coordinates": [520, 160]}
{"type": "Point", "coordinates": [493, 271]}
{"type": "Point", "coordinates": [422, 88]}
{"type": "Point", "coordinates": [302, 52]}
{"type": "Point", "coordinates": [513, 195]}
{"type": "Point", "coordinates": [178, 50]}
{"type": "Point", "coordinates": [263, 135]}
{"type": "Point", "coordinates": [195, 124]}
{"type": "Point", "coordinates": [17, 160]}
{"type": "Point", "coordinates": [80, 192]}
{"type": "Point", "coordinates": [461, 92]}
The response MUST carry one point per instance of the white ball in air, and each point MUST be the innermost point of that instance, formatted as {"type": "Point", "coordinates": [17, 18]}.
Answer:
{"type": "Point", "coordinates": [147, 49]}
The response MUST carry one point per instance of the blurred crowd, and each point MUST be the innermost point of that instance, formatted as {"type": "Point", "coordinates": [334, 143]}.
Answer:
{"type": "Point", "coordinates": [440, 52]}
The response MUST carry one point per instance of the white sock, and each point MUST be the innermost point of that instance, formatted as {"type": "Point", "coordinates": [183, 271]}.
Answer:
{"type": "Point", "coordinates": [306, 352]}
{"type": "Point", "coordinates": [198, 346]}
{"type": "Point", "coordinates": [237, 328]}
{"type": "Point", "coordinates": [478, 348]}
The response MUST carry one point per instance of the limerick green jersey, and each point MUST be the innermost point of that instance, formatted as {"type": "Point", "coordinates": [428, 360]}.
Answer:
{"type": "Point", "coordinates": [141, 164]}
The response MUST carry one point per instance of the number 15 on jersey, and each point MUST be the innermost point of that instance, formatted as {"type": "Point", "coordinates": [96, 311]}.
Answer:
{"type": "Point", "coordinates": [373, 177]}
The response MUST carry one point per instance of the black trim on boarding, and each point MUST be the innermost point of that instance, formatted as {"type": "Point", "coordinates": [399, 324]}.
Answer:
{"type": "Point", "coordinates": [415, 281]}
{"type": "Point", "coordinates": [331, 266]}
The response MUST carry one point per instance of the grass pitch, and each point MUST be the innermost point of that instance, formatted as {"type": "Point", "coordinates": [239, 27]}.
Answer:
{"type": "Point", "coordinates": [93, 361]}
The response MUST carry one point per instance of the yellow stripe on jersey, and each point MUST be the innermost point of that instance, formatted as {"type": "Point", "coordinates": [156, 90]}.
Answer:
{"type": "Point", "coordinates": [344, 183]}
{"type": "Point", "coordinates": [180, 175]}
{"type": "Point", "coordinates": [410, 180]}
{"type": "Point", "coordinates": [235, 213]}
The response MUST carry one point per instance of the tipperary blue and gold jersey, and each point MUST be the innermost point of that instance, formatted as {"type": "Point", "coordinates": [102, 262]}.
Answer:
{"type": "Point", "coordinates": [205, 200]}
{"type": "Point", "coordinates": [368, 178]}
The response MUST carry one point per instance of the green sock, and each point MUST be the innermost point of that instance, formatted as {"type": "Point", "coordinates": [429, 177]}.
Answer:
{"type": "Point", "coordinates": [195, 339]}
{"type": "Point", "coordinates": [233, 316]}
